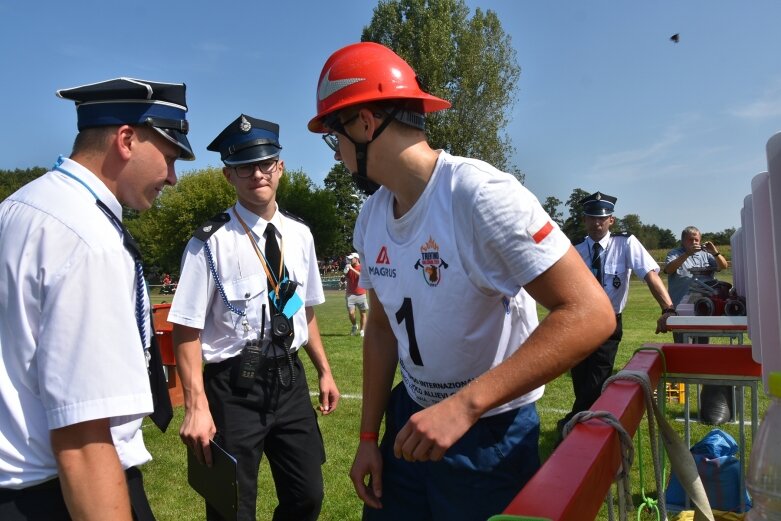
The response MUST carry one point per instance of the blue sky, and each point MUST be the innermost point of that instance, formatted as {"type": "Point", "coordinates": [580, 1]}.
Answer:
{"type": "Point", "coordinates": [605, 102]}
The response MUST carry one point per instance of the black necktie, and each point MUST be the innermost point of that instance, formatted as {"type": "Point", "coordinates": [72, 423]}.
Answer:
{"type": "Point", "coordinates": [273, 256]}
{"type": "Point", "coordinates": [596, 262]}
{"type": "Point", "coordinates": [274, 260]}
{"type": "Point", "coordinates": [163, 411]}
{"type": "Point", "coordinates": [161, 400]}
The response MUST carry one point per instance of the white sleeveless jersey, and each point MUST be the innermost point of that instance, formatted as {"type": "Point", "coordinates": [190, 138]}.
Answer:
{"type": "Point", "coordinates": [450, 273]}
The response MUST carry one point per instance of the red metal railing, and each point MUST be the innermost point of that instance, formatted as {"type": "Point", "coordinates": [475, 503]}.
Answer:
{"type": "Point", "coordinates": [573, 482]}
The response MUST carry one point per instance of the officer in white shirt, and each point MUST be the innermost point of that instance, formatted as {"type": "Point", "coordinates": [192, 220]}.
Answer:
{"type": "Point", "coordinates": [75, 336]}
{"type": "Point", "coordinates": [611, 258]}
{"type": "Point", "coordinates": [244, 306]}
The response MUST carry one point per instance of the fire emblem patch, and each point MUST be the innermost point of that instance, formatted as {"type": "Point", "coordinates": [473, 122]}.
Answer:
{"type": "Point", "coordinates": [430, 264]}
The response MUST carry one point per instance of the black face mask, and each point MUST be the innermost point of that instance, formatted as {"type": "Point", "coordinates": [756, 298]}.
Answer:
{"type": "Point", "coordinates": [364, 184]}
{"type": "Point", "coordinates": [360, 178]}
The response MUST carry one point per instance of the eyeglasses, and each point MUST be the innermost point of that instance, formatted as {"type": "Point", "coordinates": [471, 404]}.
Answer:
{"type": "Point", "coordinates": [331, 139]}
{"type": "Point", "coordinates": [266, 166]}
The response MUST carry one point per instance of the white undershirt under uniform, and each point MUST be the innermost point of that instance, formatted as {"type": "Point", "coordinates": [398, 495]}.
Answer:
{"type": "Point", "coordinates": [450, 274]}
{"type": "Point", "coordinates": [70, 349]}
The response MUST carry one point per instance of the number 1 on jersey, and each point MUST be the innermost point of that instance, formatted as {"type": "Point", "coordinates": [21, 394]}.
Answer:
{"type": "Point", "coordinates": [404, 314]}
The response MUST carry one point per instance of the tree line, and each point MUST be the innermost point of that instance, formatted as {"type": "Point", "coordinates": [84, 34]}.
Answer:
{"type": "Point", "coordinates": [330, 211]}
{"type": "Point", "coordinates": [163, 231]}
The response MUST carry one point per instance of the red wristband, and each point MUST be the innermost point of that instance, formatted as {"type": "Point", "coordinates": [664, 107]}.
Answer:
{"type": "Point", "coordinates": [369, 436]}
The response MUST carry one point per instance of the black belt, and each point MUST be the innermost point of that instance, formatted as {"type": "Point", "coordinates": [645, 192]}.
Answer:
{"type": "Point", "coordinates": [266, 367]}
{"type": "Point", "coordinates": [222, 364]}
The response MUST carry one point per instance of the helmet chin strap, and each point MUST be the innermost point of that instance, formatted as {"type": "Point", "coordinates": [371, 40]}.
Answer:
{"type": "Point", "coordinates": [360, 178]}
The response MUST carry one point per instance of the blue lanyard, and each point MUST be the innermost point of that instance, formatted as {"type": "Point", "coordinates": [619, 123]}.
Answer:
{"type": "Point", "coordinates": [130, 246]}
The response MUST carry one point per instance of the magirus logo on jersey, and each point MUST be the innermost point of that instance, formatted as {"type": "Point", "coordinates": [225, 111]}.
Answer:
{"type": "Point", "coordinates": [430, 263]}
{"type": "Point", "coordinates": [381, 271]}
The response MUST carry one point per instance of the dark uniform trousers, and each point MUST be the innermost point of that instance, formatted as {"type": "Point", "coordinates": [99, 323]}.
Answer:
{"type": "Point", "coordinates": [274, 419]}
{"type": "Point", "coordinates": [590, 374]}
{"type": "Point", "coordinates": [45, 502]}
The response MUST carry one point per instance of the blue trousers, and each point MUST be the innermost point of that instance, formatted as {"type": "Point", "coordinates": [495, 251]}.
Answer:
{"type": "Point", "coordinates": [477, 478]}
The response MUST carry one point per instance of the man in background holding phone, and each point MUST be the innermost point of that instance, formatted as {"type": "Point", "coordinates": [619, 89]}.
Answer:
{"type": "Point", "coordinates": [692, 253]}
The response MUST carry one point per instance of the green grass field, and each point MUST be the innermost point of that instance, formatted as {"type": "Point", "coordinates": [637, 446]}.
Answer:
{"type": "Point", "coordinates": [166, 475]}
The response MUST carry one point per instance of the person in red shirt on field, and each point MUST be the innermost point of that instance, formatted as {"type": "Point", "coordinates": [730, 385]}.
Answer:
{"type": "Point", "coordinates": [355, 296]}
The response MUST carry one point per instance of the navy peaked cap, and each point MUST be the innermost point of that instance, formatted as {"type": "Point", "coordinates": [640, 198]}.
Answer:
{"type": "Point", "coordinates": [247, 140]}
{"type": "Point", "coordinates": [598, 204]}
{"type": "Point", "coordinates": [129, 101]}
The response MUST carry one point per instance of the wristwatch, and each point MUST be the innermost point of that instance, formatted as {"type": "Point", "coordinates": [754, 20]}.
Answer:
{"type": "Point", "coordinates": [669, 310]}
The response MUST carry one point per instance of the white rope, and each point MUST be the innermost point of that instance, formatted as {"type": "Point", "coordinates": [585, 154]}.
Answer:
{"type": "Point", "coordinates": [681, 459]}
{"type": "Point", "coordinates": [627, 457]}
{"type": "Point", "coordinates": [642, 379]}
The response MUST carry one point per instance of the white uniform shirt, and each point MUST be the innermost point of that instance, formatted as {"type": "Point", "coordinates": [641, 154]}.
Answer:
{"type": "Point", "coordinates": [620, 255]}
{"type": "Point", "coordinates": [70, 350]}
{"type": "Point", "coordinates": [198, 304]}
{"type": "Point", "coordinates": [450, 274]}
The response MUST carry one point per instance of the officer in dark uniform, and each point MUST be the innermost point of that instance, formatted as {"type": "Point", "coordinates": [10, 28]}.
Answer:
{"type": "Point", "coordinates": [611, 258]}
{"type": "Point", "coordinates": [244, 306]}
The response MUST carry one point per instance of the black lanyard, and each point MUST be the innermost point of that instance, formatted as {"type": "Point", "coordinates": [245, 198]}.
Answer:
{"type": "Point", "coordinates": [131, 246]}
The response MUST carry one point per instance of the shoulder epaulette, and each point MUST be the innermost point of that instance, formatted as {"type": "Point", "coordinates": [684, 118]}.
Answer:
{"type": "Point", "coordinates": [622, 234]}
{"type": "Point", "coordinates": [206, 230]}
{"type": "Point", "coordinates": [294, 217]}
{"type": "Point", "coordinates": [578, 241]}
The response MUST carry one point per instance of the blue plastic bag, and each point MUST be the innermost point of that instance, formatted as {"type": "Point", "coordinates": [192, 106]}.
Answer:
{"type": "Point", "coordinates": [719, 470]}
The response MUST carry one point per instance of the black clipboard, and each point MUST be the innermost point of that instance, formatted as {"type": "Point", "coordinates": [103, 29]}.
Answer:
{"type": "Point", "coordinates": [217, 484]}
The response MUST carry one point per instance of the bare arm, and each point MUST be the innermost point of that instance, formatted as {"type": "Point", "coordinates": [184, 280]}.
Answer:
{"type": "Point", "coordinates": [659, 291]}
{"type": "Point", "coordinates": [380, 358]}
{"type": "Point", "coordinates": [329, 394]}
{"type": "Point", "coordinates": [198, 426]}
{"type": "Point", "coordinates": [581, 317]}
{"type": "Point", "coordinates": [721, 261]}
{"type": "Point", "coordinates": [93, 482]}
{"type": "Point", "coordinates": [672, 266]}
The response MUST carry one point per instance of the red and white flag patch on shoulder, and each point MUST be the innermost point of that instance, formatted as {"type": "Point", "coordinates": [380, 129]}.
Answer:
{"type": "Point", "coordinates": [540, 229]}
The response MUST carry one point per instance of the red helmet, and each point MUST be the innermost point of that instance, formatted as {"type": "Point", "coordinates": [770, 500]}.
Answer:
{"type": "Point", "coordinates": [365, 72]}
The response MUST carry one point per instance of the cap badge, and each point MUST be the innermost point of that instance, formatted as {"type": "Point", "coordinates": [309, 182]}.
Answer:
{"type": "Point", "coordinates": [598, 196]}
{"type": "Point", "coordinates": [244, 125]}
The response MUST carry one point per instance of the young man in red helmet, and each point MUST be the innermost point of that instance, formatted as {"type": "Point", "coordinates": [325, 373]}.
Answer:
{"type": "Point", "coordinates": [455, 253]}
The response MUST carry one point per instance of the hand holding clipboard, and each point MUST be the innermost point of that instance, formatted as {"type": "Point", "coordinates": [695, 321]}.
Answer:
{"type": "Point", "coordinates": [217, 484]}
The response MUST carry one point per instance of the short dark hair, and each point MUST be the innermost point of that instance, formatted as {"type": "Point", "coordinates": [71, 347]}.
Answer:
{"type": "Point", "coordinates": [92, 139]}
